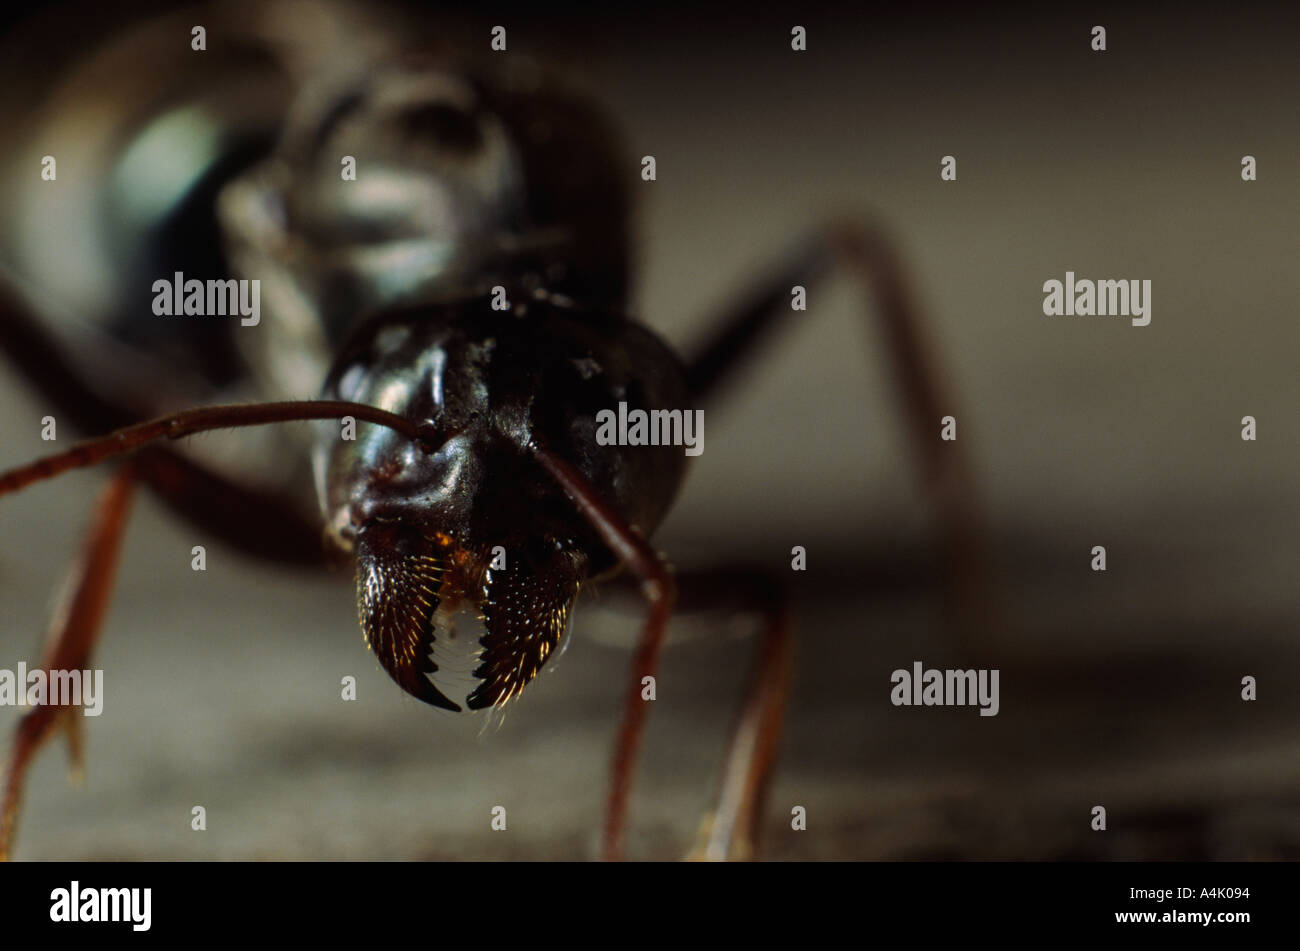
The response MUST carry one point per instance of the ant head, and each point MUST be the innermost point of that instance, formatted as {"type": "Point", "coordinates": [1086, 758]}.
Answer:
{"type": "Point", "coordinates": [467, 564]}
{"type": "Point", "coordinates": [465, 517]}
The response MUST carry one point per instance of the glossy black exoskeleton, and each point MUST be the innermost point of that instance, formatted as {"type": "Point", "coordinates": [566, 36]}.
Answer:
{"type": "Point", "coordinates": [463, 187]}
{"type": "Point", "coordinates": [425, 520]}
{"type": "Point", "coordinates": [463, 296]}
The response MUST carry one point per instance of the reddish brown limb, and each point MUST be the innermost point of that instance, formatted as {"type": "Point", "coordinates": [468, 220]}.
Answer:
{"type": "Point", "coordinates": [36, 354]}
{"type": "Point", "coordinates": [872, 258]}
{"type": "Point", "coordinates": [73, 632]}
{"type": "Point", "coordinates": [255, 521]}
{"type": "Point", "coordinates": [188, 422]}
{"type": "Point", "coordinates": [659, 590]}
{"type": "Point", "coordinates": [731, 832]}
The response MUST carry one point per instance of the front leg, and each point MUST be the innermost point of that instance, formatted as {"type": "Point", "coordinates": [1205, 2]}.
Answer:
{"type": "Point", "coordinates": [731, 831]}
{"type": "Point", "coordinates": [255, 521]}
{"type": "Point", "coordinates": [73, 633]}
{"type": "Point", "coordinates": [660, 591]}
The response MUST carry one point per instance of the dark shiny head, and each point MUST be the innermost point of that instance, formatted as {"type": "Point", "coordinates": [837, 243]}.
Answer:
{"type": "Point", "coordinates": [466, 532]}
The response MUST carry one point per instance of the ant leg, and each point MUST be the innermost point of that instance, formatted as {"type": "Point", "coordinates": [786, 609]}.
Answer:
{"type": "Point", "coordinates": [36, 354]}
{"type": "Point", "coordinates": [255, 522]}
{"type": "Point", "coordinates": [730, 831]}
{"type": "Point", "coordinates": [659, 590]}
{"type": "Point", "coordinates": [73, 633]}
{"type": "Point", "coordinates": [872, 258]}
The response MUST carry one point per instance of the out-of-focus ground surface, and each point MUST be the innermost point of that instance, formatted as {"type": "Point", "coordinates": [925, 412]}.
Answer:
{"type": "Point", "coordinates": [1119, 688]}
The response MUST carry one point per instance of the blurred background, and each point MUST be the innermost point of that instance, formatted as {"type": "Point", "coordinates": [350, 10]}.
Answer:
{"type": "Point", "coordinates": [1119, 688]}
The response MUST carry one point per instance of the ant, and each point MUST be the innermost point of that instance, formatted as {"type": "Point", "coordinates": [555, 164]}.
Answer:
{"type": "Point", "coordinates": [470, 304]}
